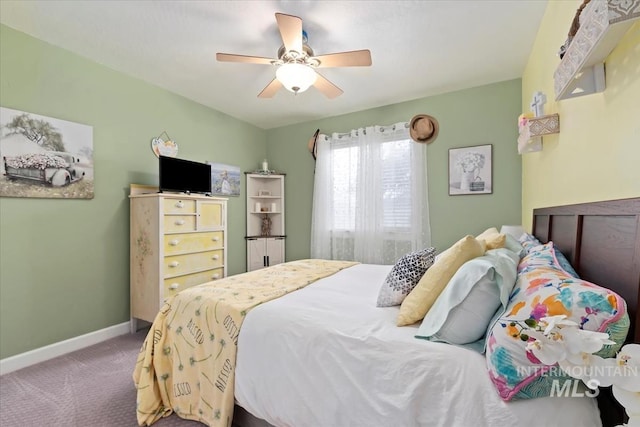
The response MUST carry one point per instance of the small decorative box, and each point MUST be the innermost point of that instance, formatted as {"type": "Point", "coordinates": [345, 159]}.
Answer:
{"type": "Point", "coordinates": [476, 186]}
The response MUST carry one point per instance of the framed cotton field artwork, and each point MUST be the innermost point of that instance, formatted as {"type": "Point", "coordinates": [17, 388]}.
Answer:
{"type": "Point", "coordinates": [471, 170]}
{"type": "Point", "coordinates": [44, 157]}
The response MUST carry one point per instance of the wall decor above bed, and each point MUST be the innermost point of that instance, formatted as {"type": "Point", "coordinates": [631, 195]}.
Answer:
{"type": "Point", "coordinates": [471, 170]}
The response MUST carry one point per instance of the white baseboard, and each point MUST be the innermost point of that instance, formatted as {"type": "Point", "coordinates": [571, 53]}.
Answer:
{"type": "Point", "coordinates": [19, 361]}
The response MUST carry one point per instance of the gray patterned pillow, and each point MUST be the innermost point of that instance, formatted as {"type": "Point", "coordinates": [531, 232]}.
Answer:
{"type": "Point", "coordinates": [404, 276]}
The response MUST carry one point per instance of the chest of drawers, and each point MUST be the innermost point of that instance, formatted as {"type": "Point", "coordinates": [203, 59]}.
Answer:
{"type": "Point", "coordinates": [176, 241]}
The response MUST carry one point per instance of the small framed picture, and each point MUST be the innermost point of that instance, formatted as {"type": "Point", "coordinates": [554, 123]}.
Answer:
{"type": "Point", "coordinates": [470, 170]}
{"type": "Point", "coordinates": [263, 193]}
{"type": "Point", "coordinates": [225, 179]}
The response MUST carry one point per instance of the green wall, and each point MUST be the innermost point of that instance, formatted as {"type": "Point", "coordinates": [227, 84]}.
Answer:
{"type": "Point", "coordinates": [482, 115]}
{"type": "Point", "coordinates": [64, 264]}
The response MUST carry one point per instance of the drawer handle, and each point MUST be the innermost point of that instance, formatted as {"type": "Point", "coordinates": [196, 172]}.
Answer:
{"type": "Point", "coordinates": [174, 286]}
{"type": "Point", "coordinates": [174, 242]}
{"type": "Point", "coordinates": [179, 205]}
{"type": "Point", "coordinates": [215, 257]}
{"type": "Point", "coordinates": [216, 276]}
{"type": "Point", "coordinates": [174, 264]}
{"type": "Point", "coordinates": [179, 222]}
{"type": "Point", "coordinates": [215, 238]}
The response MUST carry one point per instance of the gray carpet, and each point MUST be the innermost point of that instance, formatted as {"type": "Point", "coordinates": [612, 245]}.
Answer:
{"type": "Point", "coordinates": [86, 388]}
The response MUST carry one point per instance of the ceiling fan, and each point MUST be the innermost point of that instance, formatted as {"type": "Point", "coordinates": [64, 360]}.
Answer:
{"type": "Point", "coordinates": [296, 62]}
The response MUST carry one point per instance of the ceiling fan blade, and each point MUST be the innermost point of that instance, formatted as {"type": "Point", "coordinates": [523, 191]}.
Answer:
{"type": "Point", "coordinates": [326, 87]}
{"type": "Point", "coordinates": [230, 57]}
{"type": "Point", "coordinates": [291, 31]}
{"type": "Point", "coordinates": [355, 58]}
{"type": "Point", "coordinates": [270, 89]}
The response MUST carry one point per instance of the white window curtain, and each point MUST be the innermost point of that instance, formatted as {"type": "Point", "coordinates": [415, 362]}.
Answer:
{"type": "Point", "coordinates": [370, 201]}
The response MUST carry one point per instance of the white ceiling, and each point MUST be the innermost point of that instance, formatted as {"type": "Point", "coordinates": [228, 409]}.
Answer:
{"type": "Point", "coordinates": [418, 48]}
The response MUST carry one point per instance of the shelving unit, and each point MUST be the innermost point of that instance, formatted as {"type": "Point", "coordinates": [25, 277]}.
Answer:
{"type": "Point", "coordinates": [531, 133]}
{"type": "Point", "coordinates": [265, 220]}
{"type": "Point", "coordinates": [602, 24]}
{"type": "Point", "coordinates": [544, 125]}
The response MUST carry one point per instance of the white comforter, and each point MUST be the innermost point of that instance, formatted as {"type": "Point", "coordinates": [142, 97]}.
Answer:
{"type": "Point", "coordinates": [327, 356]}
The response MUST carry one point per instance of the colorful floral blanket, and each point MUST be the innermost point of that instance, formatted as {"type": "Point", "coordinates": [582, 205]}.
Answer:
{"type": "Point", "coordinates": [187, 361]}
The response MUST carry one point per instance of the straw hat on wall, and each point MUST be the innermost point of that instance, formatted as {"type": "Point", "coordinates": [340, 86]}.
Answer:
{"type": "Point", "coordinates": [424, 128]}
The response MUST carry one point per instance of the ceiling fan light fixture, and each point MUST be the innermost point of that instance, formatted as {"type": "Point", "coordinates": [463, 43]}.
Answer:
{"type": "Point", "coordinates": [296, 77]}
{"type": "Point", "coordinates": [296, 62]}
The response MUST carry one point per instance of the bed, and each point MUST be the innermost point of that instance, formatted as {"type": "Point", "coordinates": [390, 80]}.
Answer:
{"type": "Point", "coordinates": [325, 355]}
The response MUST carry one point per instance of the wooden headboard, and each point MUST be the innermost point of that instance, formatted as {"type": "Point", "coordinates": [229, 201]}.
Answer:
{"type": "Point", "coordinates": [602, 242]}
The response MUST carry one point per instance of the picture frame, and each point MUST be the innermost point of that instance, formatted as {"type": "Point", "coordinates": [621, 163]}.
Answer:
{"type": "Point", "coordinates": [471, 170]}
{"type": "Point", "coordinates": [225, 179]}
{"type": "Point", "coordinates": [264, 193]}
{"type": "Point", "coordinates": [45, 157]}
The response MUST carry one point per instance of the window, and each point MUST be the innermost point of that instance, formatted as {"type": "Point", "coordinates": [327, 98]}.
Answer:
{"type": "Point", "coordinates": [345, 167]}
{"type": "Point", "coordinates": [370, 199]}
{"type": "Point", "coordinates": [395, 189]}
{"type": "Point", "coordinates": [396, 185]}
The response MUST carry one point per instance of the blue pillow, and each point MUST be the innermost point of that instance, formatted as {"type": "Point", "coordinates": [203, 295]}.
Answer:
{"type": "Point", "coordinates": [564, 263]}
{"type": "Point", "coordinates": [476, 294]}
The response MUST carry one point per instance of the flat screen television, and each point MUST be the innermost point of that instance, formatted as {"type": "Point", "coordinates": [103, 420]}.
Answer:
{"type": "Point", "coordinates": [184, 176]}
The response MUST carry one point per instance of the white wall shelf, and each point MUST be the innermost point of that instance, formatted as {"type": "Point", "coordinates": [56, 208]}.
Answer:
{"type": "Point", "coordinates": [532, 129]}
{"type": "Point", "coordinates": [602, 24]}
{"type": "Point", "coordinates": [544, 125]}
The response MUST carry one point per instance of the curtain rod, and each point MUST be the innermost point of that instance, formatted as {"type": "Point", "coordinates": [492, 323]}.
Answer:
{"type": "Point", "coordinates": [380, 127]}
